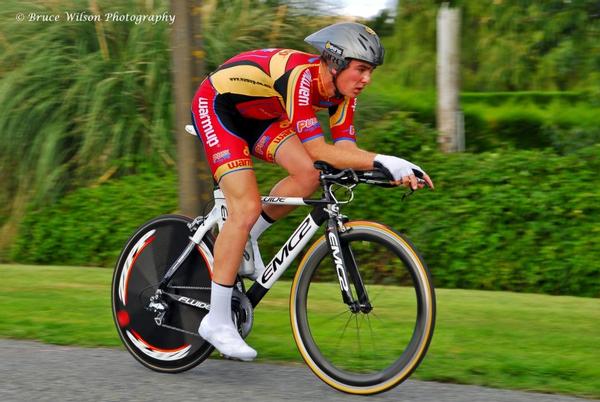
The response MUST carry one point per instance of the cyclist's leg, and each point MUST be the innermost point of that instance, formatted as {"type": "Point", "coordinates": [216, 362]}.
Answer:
{"type": "Point", "coordinates": [287, 151]}
{"type": "Point", "coordinates": [243, 207]}
{"type": "Point", "coordinates": [229, 158]}
{"type": "Point", "coordinates": [279, 144]}
{"type": "Point", "coordinates": [303, 179]}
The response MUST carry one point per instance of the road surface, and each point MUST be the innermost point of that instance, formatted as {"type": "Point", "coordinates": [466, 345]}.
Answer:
{"type": "Point", "coordinates": [31, 371]}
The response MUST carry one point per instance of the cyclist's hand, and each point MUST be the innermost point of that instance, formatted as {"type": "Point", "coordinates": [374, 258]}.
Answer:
{"type": "Point", "coordinates": [404, 173]}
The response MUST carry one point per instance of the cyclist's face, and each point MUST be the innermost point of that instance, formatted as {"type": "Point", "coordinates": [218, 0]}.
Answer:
{"type": "Point", "coordinates": [352, 80]}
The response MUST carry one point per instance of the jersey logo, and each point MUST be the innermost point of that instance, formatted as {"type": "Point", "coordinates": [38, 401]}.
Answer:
{"type": "Point", "coordinates": [260, 144]}
{"type": "Point", "coordinates": [238, 163]}
{"type": "Point", "coordinates": [307, 125]}
{"type": "Point", "coordinates": [206, 123]}
{"type": "Point", "coordinates": [304, 91]}
{"type": "Point", "coordinates": [221, 156]}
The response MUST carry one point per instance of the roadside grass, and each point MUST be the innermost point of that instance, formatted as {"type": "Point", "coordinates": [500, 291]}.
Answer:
{"type": "Point", "coordinates": [506, 340]}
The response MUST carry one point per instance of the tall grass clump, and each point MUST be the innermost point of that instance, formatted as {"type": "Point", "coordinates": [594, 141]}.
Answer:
{"type": "Point", "coordinates": [83, 102]}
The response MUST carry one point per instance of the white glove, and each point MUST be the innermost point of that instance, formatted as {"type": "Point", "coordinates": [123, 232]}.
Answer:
{"type": "Point", "coordinates": [398, 167]}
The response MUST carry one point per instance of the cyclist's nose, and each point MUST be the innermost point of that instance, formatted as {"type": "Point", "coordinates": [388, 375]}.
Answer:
{"type": "Point", "coordinates": [366, 78]}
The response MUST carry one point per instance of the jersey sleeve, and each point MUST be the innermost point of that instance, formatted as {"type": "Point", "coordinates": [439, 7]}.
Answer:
{"type": "Point", "coordinates": [341, 120]}
{"type": "Point", "coordinates": [299, 105]}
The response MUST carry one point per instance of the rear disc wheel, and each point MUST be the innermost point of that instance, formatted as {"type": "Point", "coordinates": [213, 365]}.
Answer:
{"type": "Point", "coordinates": [175, 345]}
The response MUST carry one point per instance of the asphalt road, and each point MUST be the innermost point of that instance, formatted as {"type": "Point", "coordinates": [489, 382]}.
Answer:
{"type": "Point", "coordinates": [31, 371]}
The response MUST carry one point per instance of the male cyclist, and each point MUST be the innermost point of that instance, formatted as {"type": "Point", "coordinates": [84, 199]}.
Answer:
{"type": "Point", "coordinates": [263, 103]}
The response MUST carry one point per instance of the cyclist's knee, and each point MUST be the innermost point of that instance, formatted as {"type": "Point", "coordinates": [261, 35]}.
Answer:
{"type": "Point", "coordinates": [308, 178]}
{"type": "Point", "coordinates": [244, 214]}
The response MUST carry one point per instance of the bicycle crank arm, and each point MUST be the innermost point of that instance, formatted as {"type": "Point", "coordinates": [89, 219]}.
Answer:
{"type": "Point", "coordinates": [188, 300]}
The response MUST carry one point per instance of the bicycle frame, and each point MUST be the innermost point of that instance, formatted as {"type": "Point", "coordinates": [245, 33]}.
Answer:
{"type": "Point", "coordinates": [325, 209]}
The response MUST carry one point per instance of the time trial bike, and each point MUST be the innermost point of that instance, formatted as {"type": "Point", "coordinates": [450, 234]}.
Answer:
{"type": "Point", "coordinates": [362, 304]}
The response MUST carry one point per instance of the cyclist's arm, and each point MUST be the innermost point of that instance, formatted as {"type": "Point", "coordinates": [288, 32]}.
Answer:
{"type": "Point", "coordinates": [344, 154]}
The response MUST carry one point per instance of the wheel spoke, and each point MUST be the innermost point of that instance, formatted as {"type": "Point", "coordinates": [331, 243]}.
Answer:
{"type": "Point", "coordinates": [345, 327]}
{"type": "Point", "coordinates": [371, 333]}
{"type": "Point", "coordinates": [353, 350]}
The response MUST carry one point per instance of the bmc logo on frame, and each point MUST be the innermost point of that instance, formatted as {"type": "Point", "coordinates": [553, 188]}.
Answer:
{"type": "Point", "coordinates": [281, 258]}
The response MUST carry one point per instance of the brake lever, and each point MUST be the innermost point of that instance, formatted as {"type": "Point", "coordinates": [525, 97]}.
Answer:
{"type": "Point", "coordinates": [411, 190]}
{"type": "Point", "coordinates": [407, 194]}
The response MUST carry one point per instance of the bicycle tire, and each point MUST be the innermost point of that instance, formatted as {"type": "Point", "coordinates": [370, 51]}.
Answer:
{"type": "Point", "coordinates": [140, 267]}
{"type": "Point", "coordinates": [315, 311]}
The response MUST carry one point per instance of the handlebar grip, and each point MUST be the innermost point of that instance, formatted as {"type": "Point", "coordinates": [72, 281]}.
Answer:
{"type": "Point", "coordinates": [324, 167]}
{"type": "Point", "coordinates": [377, 177]}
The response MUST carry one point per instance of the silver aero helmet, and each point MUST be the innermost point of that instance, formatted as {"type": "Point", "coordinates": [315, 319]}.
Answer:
{"type": "Point", "coordinates": [347, 40]}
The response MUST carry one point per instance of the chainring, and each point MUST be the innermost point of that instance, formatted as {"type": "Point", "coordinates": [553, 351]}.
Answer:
{"type": "Point", "coordinates": [242, 312]}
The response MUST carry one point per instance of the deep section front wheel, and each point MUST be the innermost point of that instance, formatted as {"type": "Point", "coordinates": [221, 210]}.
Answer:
{"type": "Point", "coordinates": [375, 348]}
{"type": "Point", "coordinates": [173, 345]}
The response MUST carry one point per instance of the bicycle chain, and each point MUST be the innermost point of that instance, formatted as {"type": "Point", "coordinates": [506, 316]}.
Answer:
{"type": "Point", "coordinates": [181, 330]}
{"type": "Point", "coordinates": [189, 287]}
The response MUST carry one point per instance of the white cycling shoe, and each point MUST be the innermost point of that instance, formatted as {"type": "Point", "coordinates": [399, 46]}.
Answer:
{"type": "Point", "coordinates": [226, 340]}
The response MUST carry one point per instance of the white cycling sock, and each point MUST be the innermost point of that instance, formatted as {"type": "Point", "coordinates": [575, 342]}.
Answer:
{"type": "Point", "coordinates": [262, 223]}
{"type": "Point", "coordinates": [220, 305]}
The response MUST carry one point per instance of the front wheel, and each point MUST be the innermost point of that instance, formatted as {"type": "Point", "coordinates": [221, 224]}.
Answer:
{"type": "Point", "coordinates": [376, 348]}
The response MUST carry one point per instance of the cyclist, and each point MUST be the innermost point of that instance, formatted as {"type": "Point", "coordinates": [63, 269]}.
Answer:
{"type": "Point", "coordinates": [263, 103]}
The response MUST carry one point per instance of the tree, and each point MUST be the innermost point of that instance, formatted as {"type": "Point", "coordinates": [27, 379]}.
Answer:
{"type": "Point", "coordinates": [195, 183]}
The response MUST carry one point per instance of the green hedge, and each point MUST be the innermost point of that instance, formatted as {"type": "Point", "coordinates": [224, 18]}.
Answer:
{"type": "Point", "coordinates": [564, 121]}
{"type": "Point", "coordinates": [524, 221]}
{"type": "Point", "coordinates": [514, 220]}
{"type": "Point", "coordinates": [90, 226]}
{"type": "Point", "coordinates": [537, 97]}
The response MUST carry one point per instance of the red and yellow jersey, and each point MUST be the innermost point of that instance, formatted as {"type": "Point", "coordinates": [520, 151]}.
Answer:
{"type": "Point", "coordinates": [282, 84]}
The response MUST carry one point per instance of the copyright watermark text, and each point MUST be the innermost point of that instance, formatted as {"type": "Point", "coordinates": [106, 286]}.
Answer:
{"type": "Point", "coordinates": [106, 17]}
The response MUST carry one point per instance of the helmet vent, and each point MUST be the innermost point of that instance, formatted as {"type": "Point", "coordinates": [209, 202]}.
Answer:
{"type": "Point", "coordinates": [363, 44]}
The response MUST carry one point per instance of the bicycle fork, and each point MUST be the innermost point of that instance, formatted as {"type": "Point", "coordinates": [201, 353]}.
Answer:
{"type": "Point", "coordinates": [346, 269]}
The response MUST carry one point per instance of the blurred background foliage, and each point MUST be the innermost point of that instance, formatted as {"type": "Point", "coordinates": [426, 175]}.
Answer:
{"type": "Point", "coordinates": [87, 147]}
{"type": "Point", "coordinates": [508, 45]}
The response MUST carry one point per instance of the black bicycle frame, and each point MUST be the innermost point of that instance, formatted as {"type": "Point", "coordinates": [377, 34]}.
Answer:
{"type": "Point", "coordinates": [324, 210]}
